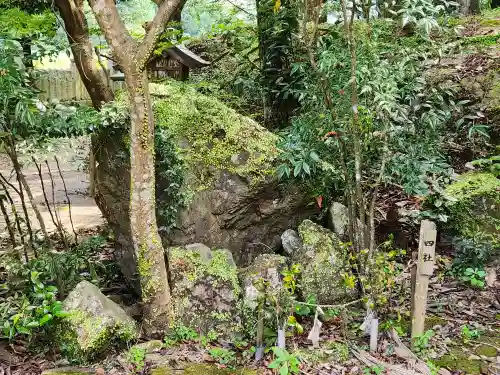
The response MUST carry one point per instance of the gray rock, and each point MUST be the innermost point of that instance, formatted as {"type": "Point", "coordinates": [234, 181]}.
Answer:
{"type": "Point", "coordinates": [205, 294]}
{"type": "Point", "coordinates": [237, 202]}
{"type": "Point", "coordinates": [95, 322]}
{"type": "Point", "coordinates": [291, 242]}
{"type": "Point", "coordinates": [203, 250]}
{"type": "Point", "coordinates": [324, 261]}
{"type": "Point", "coordinates": [267, 267]}
{"type": "Point", "coordinates": [338, 219]}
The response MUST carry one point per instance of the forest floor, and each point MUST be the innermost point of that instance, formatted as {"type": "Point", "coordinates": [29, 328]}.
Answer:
{"type": "Point", "coordinates": [462, 337]}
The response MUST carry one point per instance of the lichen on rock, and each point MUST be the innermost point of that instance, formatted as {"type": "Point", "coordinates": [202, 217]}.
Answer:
{"type": "Point", "coordinates": [475, 206]}
{"type": "Point", "coordinates": [324, 262]}
{"type": "Point", "coordinates": [94, 323]}
{"type": "Point", "coordinates": [206, 290]}
{"type": "Point", "coordinates": [214, 136]}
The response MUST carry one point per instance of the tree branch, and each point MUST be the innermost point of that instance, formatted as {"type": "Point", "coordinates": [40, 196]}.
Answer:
{"type": "Point", "coordinates": [114, 29]}
{"type": "Point", "coordinates": [165, 11]}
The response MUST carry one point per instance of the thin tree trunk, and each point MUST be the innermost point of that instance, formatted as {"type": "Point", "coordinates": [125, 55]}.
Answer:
{"type": "Point", "coordinates": [10, 229]}
{"type": "Point", "coordinates": [46, 199]}
{"type": "Point", "coordinates": [22, 179]}
{"type": "Point", "coordinates": [19, 191]}
{"type": "Point", "coordinates": [14, 212]}
{"type": "Point", "coordinates": [4, 184]}
{"type": "Point", "coordinates": [59, 225]}
{"type": "Point", "coordinates": [355, 125]}
{"type": "Point", "coordinates": [67, 197]}
{"type": "Point", "coordinates": [146, 240]}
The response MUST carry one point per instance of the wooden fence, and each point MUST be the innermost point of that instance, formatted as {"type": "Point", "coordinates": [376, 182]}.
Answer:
{"type": "Point", "coordinates": [66, 85]}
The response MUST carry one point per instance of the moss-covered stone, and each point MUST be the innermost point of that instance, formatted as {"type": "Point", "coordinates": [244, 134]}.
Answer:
{"type": "Point", "coordinates": [215, 178]}
{"type": "Point", "coordinates": [324, 265]}
{"type": "Point", "coordinates": [212, 135]}
{"type": "Point", "coordinates": [476, 204]}
{"type": "Point", "coordinates": [94, 323]}
{"type": "Point", "coordinates": [206, 291]}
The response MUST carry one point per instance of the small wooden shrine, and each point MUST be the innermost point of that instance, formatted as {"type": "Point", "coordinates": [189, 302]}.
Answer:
{"type": "Point", "coordinates": [173, 63]}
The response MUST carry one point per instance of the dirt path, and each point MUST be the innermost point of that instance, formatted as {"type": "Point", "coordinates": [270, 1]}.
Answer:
{"type": "Point", "coordinates": [71, 154]}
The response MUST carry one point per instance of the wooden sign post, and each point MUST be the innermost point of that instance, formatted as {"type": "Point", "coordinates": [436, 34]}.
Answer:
{"type": "Point", "coordinates": [425, 269]}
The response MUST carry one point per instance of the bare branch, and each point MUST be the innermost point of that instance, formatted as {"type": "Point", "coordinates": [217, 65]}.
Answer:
{"type": "Point", "coordinates": [165, 11]}
{"type": "Point", "coordinates": [112, 26]}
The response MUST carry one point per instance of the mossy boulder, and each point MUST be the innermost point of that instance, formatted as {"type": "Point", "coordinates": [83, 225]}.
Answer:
{"type": "Point", "coordinates": [324, 263]}
{"type": "Point", "coordinates": [215, 177]}
{"type": "Point", "coordinates": [94, 323]}
{"type": "Point", "coordinates": [475, 206]}
{"type": "Point", "coordinates": [206, 292]}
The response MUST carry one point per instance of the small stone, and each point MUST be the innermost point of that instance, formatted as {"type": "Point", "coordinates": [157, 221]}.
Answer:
{"type": "Point", "coordinates": [474, 357]}
{"type": "Point", "coordinates": [291, 242]}
{"type": "Point", "coordinates": [203, 250]}
{"type": "Point", "coordinates": [100, 371]}
{"type": "Point", "coordinates": [149, 346]}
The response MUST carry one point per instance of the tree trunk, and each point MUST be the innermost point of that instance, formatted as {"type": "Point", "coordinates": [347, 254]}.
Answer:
{"type": "Point", "coordinates": [146, 241]}
{"type": "Point", "coordinates": [77, 31]}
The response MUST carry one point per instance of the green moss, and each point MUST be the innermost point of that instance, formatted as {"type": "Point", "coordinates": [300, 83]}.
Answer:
{"type": "Point", "coordinates": [317, 237]}
{"type": "Point", "coordinates": [218, 267]}
{"type": "Point", "coordinates": [193, 270]}
{"type": "Point", "coordinates": [163, 370]}
{"type": "Point", "coordinates": [340, 351]}
{"type": "Point", "coordinates": [215, 136]}
{"type": "Point", "coordinates": [198, 369]}
{"type": "Point", "coordinates": [463, 364]}
{"type": "Point", "coordinates": [474, 209]}
{"type": "Point", "coordinates": [98, 336]}
{"type": "Point", "coordinates": [431, 321]}
{"type": "Point", "coordinates": [490, 22]}
{"type": "Point", "coordinates": [486, 350]}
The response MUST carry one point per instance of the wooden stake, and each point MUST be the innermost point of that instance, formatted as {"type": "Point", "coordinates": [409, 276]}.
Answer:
{"type": "Point", "coordinates": [374, 336]}
{"type": "Point", "coordinates": [414, 257]}
{"type": "Point", "coordinates": [425, 269]}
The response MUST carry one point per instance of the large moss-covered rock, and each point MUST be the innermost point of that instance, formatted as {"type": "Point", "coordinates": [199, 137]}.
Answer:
{"type": "Point", "coordinates": [228, 195]}
{"type": "Point", "coordinates": [475, 206]}
{"type": "Point", "coordinates": [324, 263]}
{"type": "Point", "coordinates": [94, 323]}
{"type": "Point", "coordinates": [205, 290]}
